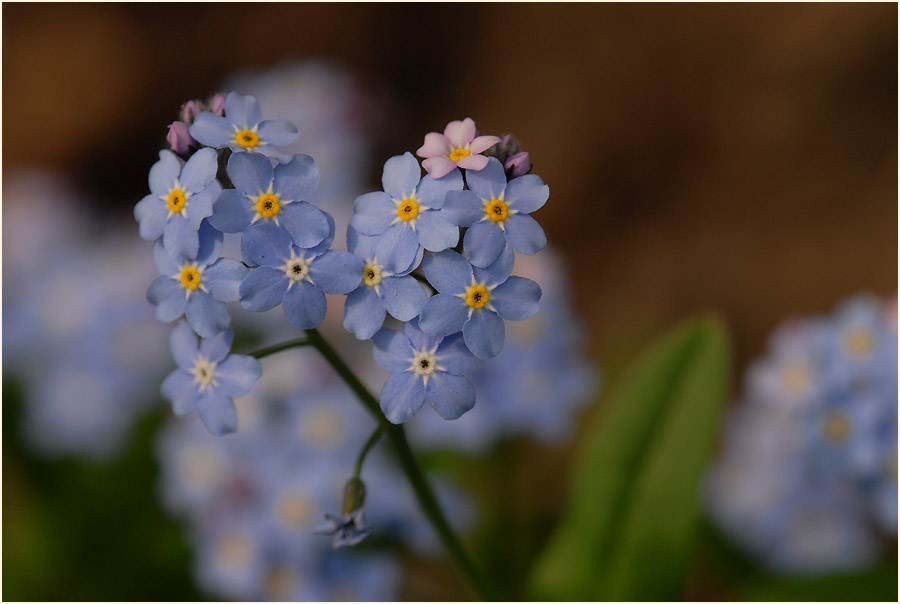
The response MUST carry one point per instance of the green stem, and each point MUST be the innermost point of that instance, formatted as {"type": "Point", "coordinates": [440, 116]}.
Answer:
{"type": "Point", "coordinates": [264, 352]}
{"type": "Point", "coordinates": [376, 435]}
{"type": "Point", "coordinates": [410, 467]}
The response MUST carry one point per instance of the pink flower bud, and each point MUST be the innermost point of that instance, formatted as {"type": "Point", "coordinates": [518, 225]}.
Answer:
{"type": "Point", "coordinates": [179, 138]}
{"type": "Point", "coordinates": [217, 104]}
{"type": "Point", "coordinates": [517, 165]}
{"type": "Point", "coordinates": [189, 111]}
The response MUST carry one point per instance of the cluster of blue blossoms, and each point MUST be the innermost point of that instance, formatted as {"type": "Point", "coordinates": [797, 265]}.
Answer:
{"type": "Point", "coordinates": [807, 481]}
{"type": "Point", "coordinates": [471, 217]}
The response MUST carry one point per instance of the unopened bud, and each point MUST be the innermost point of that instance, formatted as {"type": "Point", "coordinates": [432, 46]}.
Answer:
{"type": "Point", "coordinates": [517, 165]}
{"type": "Point", "coordinates": [179, 137]}
{"type": "Point", "coordinates": [354, 495]}
{"type": "Point", "coordinates": [217, 104]}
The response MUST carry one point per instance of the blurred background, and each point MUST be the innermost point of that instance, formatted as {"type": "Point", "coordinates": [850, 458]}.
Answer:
{"type": "Point", "coordinates": [740, 159]}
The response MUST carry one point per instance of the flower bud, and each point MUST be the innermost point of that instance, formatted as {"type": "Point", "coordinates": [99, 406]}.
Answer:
{"type": "Point", "coordinates": [354, 495]}
{"type": "Point", "coordinates": [179, 137]}
{"type": "Point", "coordinates": [217, 104]}
{"type": "Point", "coordinates": [189, 111]}
{"type": "Point", "coordinates": [517, 165]}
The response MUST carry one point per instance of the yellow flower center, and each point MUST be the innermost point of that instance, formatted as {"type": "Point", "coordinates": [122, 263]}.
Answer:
{"type": "Point", "coordinates": [247, 139]}
{"type": "Point", "coordinates": [837, 428]}
{"type": "Point", "coordinates": [460, 153]}
{"type": "Point", "coordinates": [859, 342]}
{"type": "Point", "coordinates": [477, 296]}
{"type": "Point", "coordinates": [372, 273]}
{"type": "Point", "coordinates": [408, 209]}
{"type": "Point", "coordinates": [176, 200]}
{"type": "Point", "coordinates": [497, 210]}
{"type": "Point", "coordinates": [795, 378]}
{"type": "Point", "coordinates": [191, 278]}
{"type": "Point", "coordinates": [268, 205]}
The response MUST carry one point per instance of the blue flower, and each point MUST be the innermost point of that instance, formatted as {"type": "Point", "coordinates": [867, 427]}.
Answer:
{"type": "Point", "coordinates": [385, 286]}
{"type": "Point", "coordinates": [181, 196]}
{"type": "Point", "coordinates": [242, 128]}
{"type": "Point", "coordinates": [208, 377]}
{"type": "Point", "coordinates": [348, 529]}
{"type": "Point", "coordinates": [476, 300]}
{"type": "Point", "coordinates": [424, 368]}
{"type": "Point", "coordinates": [196, 286]}
{"type": "Point", "coordinates": [264, 194]}
{"type": "Point", "coordinates": [497, 213]}
{"type": "Point", "coordinates": [407, 214]}
{"type": "Point", "coordinates": [294, 276]}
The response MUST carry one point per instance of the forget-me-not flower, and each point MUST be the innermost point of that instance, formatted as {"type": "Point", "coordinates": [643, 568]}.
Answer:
{"type": "Point", "coordinates": [424, 368]}
{"type": "Point", "coordinates": [294, 276]}
{"type": "Point", "coordinates": [407, 214]}
{"type": "Point", "coordinates": [385, 286]}
{"type": "Point", "coordinates": [266, 194]}
{"type": "Point", "coordinates": [497, 213]}
{"type": "Point", "coordinates": [242, 128]}
{"type": "Point", "coordinates": [196, 286]}
{"type": "Point", "coordinates": [208, 377]}
{"type": "Point", "coordinates": [476, 300]}
{"type": "Point", "coordinates": [457, 146]}
{"type": "Point", "coordinates": [181, 196]}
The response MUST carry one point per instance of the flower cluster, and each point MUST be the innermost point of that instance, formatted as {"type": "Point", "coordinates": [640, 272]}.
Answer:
{"type": "Point", "coordinates": [808, 477]}
{"type": "Point", "coordinates": [435, 252]}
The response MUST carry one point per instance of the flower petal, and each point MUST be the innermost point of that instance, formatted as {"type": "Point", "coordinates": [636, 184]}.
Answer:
{"type": "Point", "coordinates": [462, 208]}
{"type": "Point", "coordinates": [179, 238]}
{"type": "Point", "coordinates": [210, 244]}
{"type": "Point", "coordinates": [295, 180]}
{"type": "Point", "coordinates": [223, 279]}
{"type": "Point", "coordinates": [212, 130]}
{"type": "Point", "coordinates": [168, 297]}
{"type": "Point", "coordinates": [527, 194]}
{"type": "Point", "coordinates": [278, 133]}
{"type": "Point", "coordinates": [499, 270]}
{"type": "Point", "coordinates": [305, 223]}
{"type": "Point", "coordinates": [217, 347]}
{"type": "Point", "coordinates": [488, 183]}
{"type": "Point", "coordinates": [263, 289]}
{"type": "Point", "coordinates": [484, 333]}
{"type": "Point", "coordinates": [178, 388]}
{"type": "Point", "coordinates": [151, 213]}
{"type": "Point", "coordinates": [525, 234]}
{"type": "Point", "coordinates": [443, 314]}
{"type": "Point", "coordinates": [438, 167]}
{"type": "Point", "coordinates": [183, 345]}
{"type": "Point", "coordinates": [200, 204]}
{"type": "Point", "coordinates": [165, 263]}
{"type": "Point", "coordinates": [460, 132]}
{"type": "Point", "coordinates": [373, 213]}
{"type": "Point", "coordinates": [361, 246]}
{"type": "Point", "coordinates": [218, 412]}
{"type": "Point", "coordinates": [483, 143]}
{"type": "Point", "coordinates": [435, 233]}
{"type": "Point", "coordinates": [483, 243]}
{"type": "Point", "coordinates": [402, 297]}
{"type": "Point", "coordinates": [250, 172]}
{"type": "Point", "coordinates": [336, 272]}
{"type": "Point", "coordinates": [363, 313]}
{"type": "Point", "coordinates": [397, 247]}
{"type": "Point", "coordinates": [401, 175]}
{"type": "Point", "coordinates": [435, 145]}
{"type": "Point", "coordinates": [392, 351]}
{"type": "Point", "coordinates": [450, 395]}
{"type": "Point", "coordinates": [456, 358]}
{"type": "Point", "coordinates": [516, 299]}
{"type": "Point", "coordinates": [237, 374]}
{"type": "Point", "coordinates": [448, 272]}
{"type": "Point", "coordinates": [418, 339]}
{"type": "Point", "coordinates": [232, 211]}
{"type": "Point", "coordinates": [206, 315]}
{"type": "Point", "coordinates": [243, 110]}
{"type": "Point", "coordinates": [432, 191]}
{"type": "Point", "coordinates": [305, 306]}
{"type": "Point", "coordinates": [266, 244]}
{"type": "Point", "coordinates": [199, 171]}
{"type": "Point", "coordinates": [473, 163]}
{"type": "Point", "coordinates": [402, 396]}
{"type": "Point", "coordinates": [164, 173]}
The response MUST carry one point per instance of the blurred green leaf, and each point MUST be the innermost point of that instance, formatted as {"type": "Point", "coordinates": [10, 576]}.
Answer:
{"type": "Point", "coordinates": [627, 532]}
{"type": "Point", "coordinates": [877, 584]}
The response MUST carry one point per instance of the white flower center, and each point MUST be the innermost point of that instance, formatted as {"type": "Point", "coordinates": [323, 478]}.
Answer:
{"type": "Point", "coordinates": [425, 363]}
{"type": "Point", "coordinates": [204, 372]}
{"type": "Point", "coordinates": [296, 269]}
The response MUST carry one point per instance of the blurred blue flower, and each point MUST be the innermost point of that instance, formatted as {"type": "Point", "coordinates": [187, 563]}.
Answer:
{"type": "Point", "coordinates": [242, 128]}
{"type": "Point", "coordinates": [208, 377]}
{"type": "Point", "coordinates": [181, 196]}
{"type": "Point", "coordinates": [295, 277]}
{"type": "Point", "coordinates": [348, 529]}
{"type": "Point", "coordinates": [476, 300]}
{"type": "Point", "coordinates": [196, 286]}
{"type": "Point", "coordinates": [497, 213]}
{"type": "Point", "coordinates": [407, 214]}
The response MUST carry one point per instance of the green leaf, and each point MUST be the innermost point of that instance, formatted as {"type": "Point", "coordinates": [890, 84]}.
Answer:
{"type": "Point", "coordinates": [878, 584]}
{"type": "Point", "coordinates": [627, 532]}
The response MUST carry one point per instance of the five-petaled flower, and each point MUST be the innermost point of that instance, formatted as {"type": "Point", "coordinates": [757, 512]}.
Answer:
{"type": "Point", "coordinates": [424, 368]}
{"type": "Point", "coordinates": [242, 128]}
{"type": "Point", "coordinates": [196, 286]}
{"type": "Point", "coordinates": [348, 529]}
{"type": "Point", "coordinates": [457, 146]}
{"type": "Point", "coordinates": [476, 300]}
{"type": "Point", "coordinates": [181, 196]}
{"type": "Point", "coordinates": [208, 377]}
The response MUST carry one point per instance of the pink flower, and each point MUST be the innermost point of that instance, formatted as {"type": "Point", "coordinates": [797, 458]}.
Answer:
{"type": "Point", "coordinates": [457, 146]}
